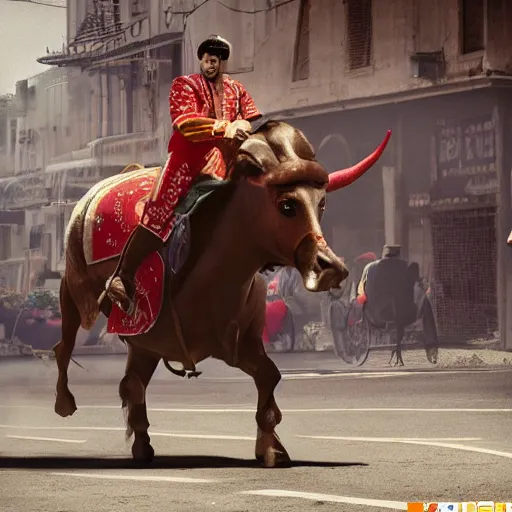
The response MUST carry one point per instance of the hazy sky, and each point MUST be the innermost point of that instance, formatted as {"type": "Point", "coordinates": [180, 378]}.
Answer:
{"type": "Point", "coordinates": [25, 32]}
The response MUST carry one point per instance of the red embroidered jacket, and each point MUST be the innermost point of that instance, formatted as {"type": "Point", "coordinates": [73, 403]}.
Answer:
{"type": "Point", "coordinates": [192, 107]}
{"type": "Point", "coordinates": [195, 145]}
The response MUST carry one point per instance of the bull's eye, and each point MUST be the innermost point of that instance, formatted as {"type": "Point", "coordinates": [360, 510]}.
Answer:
{"type": "Point", "coordinates": [288, 207]}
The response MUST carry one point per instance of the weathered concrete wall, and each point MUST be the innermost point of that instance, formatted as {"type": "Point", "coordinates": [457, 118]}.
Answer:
{"type": "Point", "coordinates": [400, 28]}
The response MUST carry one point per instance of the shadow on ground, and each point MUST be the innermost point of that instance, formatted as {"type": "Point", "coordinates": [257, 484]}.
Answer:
{"type": "Point", "coordinates": [162, 462]}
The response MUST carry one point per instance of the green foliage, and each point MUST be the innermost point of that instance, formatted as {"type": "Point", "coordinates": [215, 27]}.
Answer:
{"type": "Point", "coordinates": [45, 300]}
{"type": "Point", "coordinates": [10, 299]}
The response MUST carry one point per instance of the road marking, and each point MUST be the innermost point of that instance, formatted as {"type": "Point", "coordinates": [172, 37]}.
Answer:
{"type": "Point", "coordinates": [384, 375]}
{"type": "Point", "coordinates": [200, 410]}
{"type": "Point", "coordinates": [52, 439]}
{"type": "Point", "coordinates": [109, 476]}
{"type": "Point", "coordinates": [33, 427]}
{"type": "Point", "coordinates": [313, 374]}
{"type": "Point", "coordinates": [187, 435]}
{"type": "Point", "coordinates": [392, 439]}
{"type": "Point", "coordinates": [438, 442]}
{"type": "Point", "coordinates": [322, 375]}
{"type": "Point", "coordinates": [278, 493]}
{"type": "Point", "coordinates": [333, 409]}
{"type": "Point", "coordinates": [204, 436]}
{"type": "Point", "coordinates": [362, 375]}
{"type": "Point", "coordinates": [462, 447]}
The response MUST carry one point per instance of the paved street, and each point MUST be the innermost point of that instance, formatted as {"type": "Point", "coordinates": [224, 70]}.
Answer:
{"type": "Point", "coordinates": [369, 440]}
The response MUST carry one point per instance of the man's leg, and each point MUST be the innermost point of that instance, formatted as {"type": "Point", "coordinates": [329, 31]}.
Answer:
{"type": "Point", "coordinates": [121, 287]}
{"type": "Point", "coordinates": [149, 236]}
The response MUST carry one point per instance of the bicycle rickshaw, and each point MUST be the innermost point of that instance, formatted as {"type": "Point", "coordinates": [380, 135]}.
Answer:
{"type": "Point", "coordinates": [355, 335]}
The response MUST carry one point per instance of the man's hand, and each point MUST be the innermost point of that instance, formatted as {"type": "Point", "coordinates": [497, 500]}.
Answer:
{"type": "Point", "coordinates": [238, 131]}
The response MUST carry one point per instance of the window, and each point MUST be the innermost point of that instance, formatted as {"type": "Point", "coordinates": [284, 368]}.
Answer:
{"type": "Point", "coordinates": [301, 57]}
{"type": "Point", "coordinates": [123, 105]}
{"type": "Point", "coordinates": [14, 129]}
{"type": "Point", "coordinates": [472, 25]}
{"type": "Point", "coordinates": [36, 236]}
{"type": "Point", "coordinates": [5, 242]}
{"type": "Point", "coordinates": [359, 33]}
{"type": "Point", "coordinates": [139, 7]}
{"type": "Point", "coordinates": [116, 11]}
{"type": "Point", "coordinates": [61, 234]}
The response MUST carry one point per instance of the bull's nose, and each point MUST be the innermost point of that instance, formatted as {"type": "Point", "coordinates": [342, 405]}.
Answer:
{"type": "Point", "coordinates": [323, 261]}
{"type": "Point", "coordinates": [326, 259]}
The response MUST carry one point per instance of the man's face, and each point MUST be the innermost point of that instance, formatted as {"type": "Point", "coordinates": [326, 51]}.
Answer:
{"type": "Point", "coordinates": [210, 66]}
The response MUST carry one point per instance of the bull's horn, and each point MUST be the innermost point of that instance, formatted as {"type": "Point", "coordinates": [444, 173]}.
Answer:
{"type": "Point", "coordinates": [344, 177]}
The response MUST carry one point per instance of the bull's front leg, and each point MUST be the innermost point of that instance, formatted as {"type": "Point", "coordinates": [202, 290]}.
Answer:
{"type": "Point", "coordinates": [140, 367]}
{"type": "Point", "coordinates": [270, 452]}
{"type": "Point", "coordinates": [254, 361]}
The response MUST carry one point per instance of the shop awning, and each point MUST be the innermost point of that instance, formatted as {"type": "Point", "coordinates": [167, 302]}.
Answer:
{"type": "Point", "coordinates": [23, 191]}
{"type": "Point", "coordinates": [85, 163]}
{"type": "Point", "coordinates": [71, 179]}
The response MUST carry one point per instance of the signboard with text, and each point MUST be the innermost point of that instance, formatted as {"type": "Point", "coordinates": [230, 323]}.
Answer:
{"type": "Point", "coordinates": [466, 158]}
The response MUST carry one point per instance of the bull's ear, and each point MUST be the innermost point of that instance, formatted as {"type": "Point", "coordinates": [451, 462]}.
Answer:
{"type": "Point", "coordinates": [247, 166]}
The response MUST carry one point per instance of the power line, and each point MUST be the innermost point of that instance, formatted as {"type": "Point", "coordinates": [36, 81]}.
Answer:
{"type": "Point", "coordinates": [190, 11]}
{"type": "Point", "coordinates": [267, 9]}
{"type": "Point", "coordinates": [41, 3]}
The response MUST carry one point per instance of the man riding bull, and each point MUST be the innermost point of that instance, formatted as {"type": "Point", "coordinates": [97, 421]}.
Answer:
{"type": "Point", "coordinates": [210, 113]}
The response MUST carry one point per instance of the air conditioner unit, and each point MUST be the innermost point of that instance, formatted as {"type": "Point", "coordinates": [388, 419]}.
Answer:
{"type": "Point", "coordinates": [429, 65]}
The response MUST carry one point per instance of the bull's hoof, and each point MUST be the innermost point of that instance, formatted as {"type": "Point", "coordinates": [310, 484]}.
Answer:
{"type": "Point", "coordinates": [274, 459]}
{"type": "Point", "coordinates": [65, 404]}
{"type": "Point", "coordinates": [270, 452]}
{"type": "Point", "coordinates": [143, 452]}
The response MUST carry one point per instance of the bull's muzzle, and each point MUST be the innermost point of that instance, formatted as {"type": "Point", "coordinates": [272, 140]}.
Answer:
{"type": "Point", "coordinates": [319, 267]}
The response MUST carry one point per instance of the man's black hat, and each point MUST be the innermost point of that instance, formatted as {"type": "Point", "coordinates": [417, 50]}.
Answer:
{"type": "Point", "coordinates": [214, 45]}
{"type": "Point", "coordinates": [391, 251]}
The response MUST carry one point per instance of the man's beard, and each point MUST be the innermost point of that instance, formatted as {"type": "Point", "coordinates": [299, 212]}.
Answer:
{"type": "Point", "coordinates": [210, 78]}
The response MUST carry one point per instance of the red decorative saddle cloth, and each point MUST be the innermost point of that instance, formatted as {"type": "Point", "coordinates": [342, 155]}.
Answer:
{"type": "Point", "coordinates": [113, 213]}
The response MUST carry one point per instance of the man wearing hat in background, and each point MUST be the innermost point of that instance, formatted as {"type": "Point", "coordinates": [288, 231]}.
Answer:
{"type": "Point", "coordinates": [210, 113]}
{"type": "Point", "coordinates": [380, 277]}
{"type": "Point", "coordinates": [387, 290]}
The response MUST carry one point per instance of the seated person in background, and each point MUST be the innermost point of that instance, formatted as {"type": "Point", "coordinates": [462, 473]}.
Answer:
{"type": "Point", "coordinates": [384, 291]}
{"type": "Point", "coordinates": [391, 292]}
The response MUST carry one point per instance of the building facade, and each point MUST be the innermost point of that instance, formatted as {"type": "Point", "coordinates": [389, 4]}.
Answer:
{"type": "Point", "coordinates": [436, 72]}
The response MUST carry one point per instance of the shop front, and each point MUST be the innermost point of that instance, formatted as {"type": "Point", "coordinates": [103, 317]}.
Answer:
{"type": "Point", "coordinates": [452, 186]}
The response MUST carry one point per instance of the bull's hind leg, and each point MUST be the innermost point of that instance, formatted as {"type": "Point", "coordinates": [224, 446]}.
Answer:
{"type": "Point", "coordinates": [65, 402]}
{"type": "Point", "coordinates": [140, 367]}
{"type": "Point", "coordinates": [254, 361]}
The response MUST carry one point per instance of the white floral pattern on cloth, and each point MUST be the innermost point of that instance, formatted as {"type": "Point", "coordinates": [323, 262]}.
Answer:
{"type": "Point", "coordinates": [148, 299]}
{"type": "Point", "coordinates": [158, 215]}
{"type": "Point", "coordinates": [114, 212]}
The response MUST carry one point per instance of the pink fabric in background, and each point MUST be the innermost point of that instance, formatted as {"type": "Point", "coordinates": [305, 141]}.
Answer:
{"type": "Point", "coordinates": [276, 311]}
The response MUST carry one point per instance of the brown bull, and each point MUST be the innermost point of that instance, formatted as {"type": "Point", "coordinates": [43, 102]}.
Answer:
{"type": "Point", "coordinates": [269, 214]}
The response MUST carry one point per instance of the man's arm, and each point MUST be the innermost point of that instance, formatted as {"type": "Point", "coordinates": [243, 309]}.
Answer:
{"type": "Point", "coordinates": [248, 109]}
{"type": "Point", "coordinates": [362, 282]}
{"type": "Point", "coordinates": [184, 107]}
